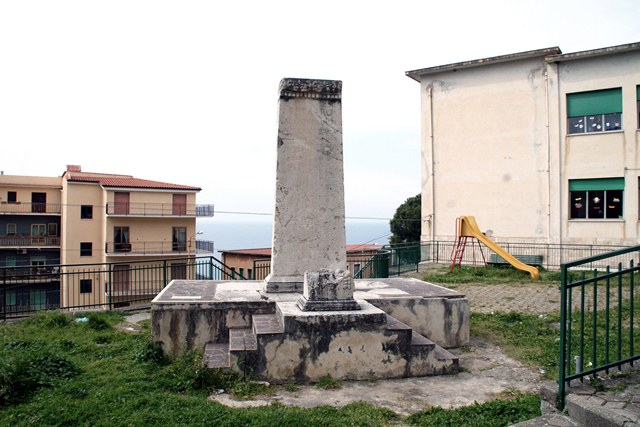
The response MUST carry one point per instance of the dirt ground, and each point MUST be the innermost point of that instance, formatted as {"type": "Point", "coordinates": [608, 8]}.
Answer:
{"type": "Point", "coordinates": [487, 373]}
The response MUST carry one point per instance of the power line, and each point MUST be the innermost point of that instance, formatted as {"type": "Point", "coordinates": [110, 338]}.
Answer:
{"type": "Point", "coordinates": [270, 214]}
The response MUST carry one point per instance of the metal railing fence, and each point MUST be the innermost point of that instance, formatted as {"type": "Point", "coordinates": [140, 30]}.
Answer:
{"type": "Point", "coordinates": [158, 209]}
{"type": "Point", "coordinates": [553, 255]}
{"type": "Point", "coordinates": [27, 207]}
{"type": "Point", "coordinates": [597, 312]}
{"type": "Point", "coordinates": [364, 265]}
{"type": "Point", "coordinates": [27, 289]}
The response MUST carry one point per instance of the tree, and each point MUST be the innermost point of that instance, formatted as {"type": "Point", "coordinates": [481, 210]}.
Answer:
{"type": "Point", "coordinates": [405, 224]}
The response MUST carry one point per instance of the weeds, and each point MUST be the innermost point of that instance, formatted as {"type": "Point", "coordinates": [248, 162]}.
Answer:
{"type": "Point", "coordinates": [327, 382]}
{"type": "Point", "coordinates": [521, 407]}
{"type": "Point", "coordinates": [489, 275]}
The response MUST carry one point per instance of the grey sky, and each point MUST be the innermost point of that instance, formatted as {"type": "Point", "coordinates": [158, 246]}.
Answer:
{"type": "Point", "coordinates": [186, 91]}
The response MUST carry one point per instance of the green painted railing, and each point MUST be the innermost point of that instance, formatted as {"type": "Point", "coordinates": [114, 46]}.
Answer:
{"type": "Point", "coordinates": [597, 311]}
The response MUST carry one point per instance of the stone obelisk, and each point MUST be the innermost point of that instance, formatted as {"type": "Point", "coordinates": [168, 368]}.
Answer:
{"type": "Point", "coordinates": [309, 220]}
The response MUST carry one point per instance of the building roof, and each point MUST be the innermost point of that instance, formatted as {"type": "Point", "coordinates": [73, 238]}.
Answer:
{"type": "Point", "coordinates": [266, 252]}
{"type": "Point", "coordinates": [550, 54]}
{"type": "Point", "coordinates": [123, 181]}
{"type": "Point", "coordinates": [416, 74]}
{"type": "Point", "coordinates": [630, 47]}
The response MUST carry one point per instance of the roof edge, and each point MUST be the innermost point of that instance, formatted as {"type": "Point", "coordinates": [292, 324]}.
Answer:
{"type": "Point", "coordinates": [416, 74]}
{"type": "Point", "coordinates": [591, 53]}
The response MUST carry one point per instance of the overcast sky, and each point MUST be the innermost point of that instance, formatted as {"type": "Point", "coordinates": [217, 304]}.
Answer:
{"type": "Point", "coordinates": [186, 91]}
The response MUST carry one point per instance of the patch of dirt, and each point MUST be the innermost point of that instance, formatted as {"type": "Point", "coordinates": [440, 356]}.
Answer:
{"type": "Point", "coordinates": [486, 373]}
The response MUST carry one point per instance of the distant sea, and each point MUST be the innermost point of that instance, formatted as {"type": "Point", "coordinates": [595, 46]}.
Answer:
{"type": "Point", "coordinates": [248, 234]}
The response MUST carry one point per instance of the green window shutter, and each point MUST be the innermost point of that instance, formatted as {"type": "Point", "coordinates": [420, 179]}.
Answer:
{"type": "Point", "coordinates": [594, 102]}
{"type": "Point", "coordinates": [596, 184]}
{"type": "Point", "coordinates": [638, 93]}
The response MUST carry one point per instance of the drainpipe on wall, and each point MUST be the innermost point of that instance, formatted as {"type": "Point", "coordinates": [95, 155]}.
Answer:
{"type": "Point", "coordinates": [546, 100]}
{"type": "Point", "coordinates": [433, 162]}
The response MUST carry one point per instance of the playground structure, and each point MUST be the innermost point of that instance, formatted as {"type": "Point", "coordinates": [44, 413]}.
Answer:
{"type": "Point", "coordinates": [466, 227]}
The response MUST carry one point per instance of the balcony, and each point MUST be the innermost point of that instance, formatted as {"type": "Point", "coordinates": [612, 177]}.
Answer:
{"type": "Point", "coordinates": [156, 248]}
{"type": "Point", "coordinates": [29, 208]}
{"type": "Point", "coordinates": [159, 210]}
{"type": "Point", "coordinates": [29, 241]}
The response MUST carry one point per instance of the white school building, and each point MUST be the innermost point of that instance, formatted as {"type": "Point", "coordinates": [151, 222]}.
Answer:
{"type": "Point", "coordinates": [539, 146]}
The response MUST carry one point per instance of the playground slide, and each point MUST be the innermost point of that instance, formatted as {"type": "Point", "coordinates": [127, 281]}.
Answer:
{"type": "Point", "coordinates": [468, 227]}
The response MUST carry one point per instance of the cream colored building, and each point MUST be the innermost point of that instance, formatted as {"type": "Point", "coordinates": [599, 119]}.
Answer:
{"type": "Point", "coordinates": [539, 146]}
{"type": "Point", "coordinates": [91, 219]}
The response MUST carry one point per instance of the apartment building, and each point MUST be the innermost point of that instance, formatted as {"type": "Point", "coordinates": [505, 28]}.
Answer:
{"type": "Point", "coordinates": [539, 146]}
{"type": "Point", "coordinates": [255, 263]}
{"type": "Point", "coordinates": [82, 220]}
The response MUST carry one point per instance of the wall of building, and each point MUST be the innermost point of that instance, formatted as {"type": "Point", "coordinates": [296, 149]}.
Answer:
{"type": "Point", "coordinates": [495, 144]}
{"type": "Point", "coordinates": [484, 150]}
{"type": "Point", "coordinates": [612, 154]}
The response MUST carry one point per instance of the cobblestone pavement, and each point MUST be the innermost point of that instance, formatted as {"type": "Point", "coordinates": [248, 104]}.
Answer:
{"type": "Point", "coordinates": [520, 298]}
{"type": "Point", "coordinates": [528, 298]}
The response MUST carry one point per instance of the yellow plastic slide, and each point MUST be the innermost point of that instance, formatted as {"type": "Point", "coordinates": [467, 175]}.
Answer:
{"type": "Point", "coordinates": [469, 228]}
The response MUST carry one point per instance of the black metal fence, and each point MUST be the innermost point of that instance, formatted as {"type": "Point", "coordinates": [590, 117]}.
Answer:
{"type": "Point", "coordinates": [597, 316]}
{"type": "Point", "coordinates": [553, 255]}
{"type": "Point", "coordinates": [25, 290]}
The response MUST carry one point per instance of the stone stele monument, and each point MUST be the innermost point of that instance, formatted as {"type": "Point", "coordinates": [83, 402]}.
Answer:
{"type": "Point", "coordinates": [310, 318]}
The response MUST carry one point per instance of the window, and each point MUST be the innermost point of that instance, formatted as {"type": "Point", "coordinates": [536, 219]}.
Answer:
{"type": "Point", "coordinates": [85, 286]}
{"type": "Point", "coordinates": [594, 111]}
{"type": "Point", "coordinates": [121, 275]}
{"type": "Point", "coordinates": [86, 211]}
{"type": "Point", "coordinates": [121, 203]}
{"type": "Point", "coordinates": [179, 239]}
{"type": "Point", "coordinates": [38, 229]}
{"type": "Point", "coordinates": [10, 298]}
{"type": "Point", "coordinates": [249, 274]}
{"type": "Point", "coordinates": [12, 197]}
{"type": "Point", "coordinates": [38, 298]}
{"type": "Point", "coordinates": [179, 204]}
{"type": "Point", "coordinates": [86, 249]}
{"type": "Point", "coordinates": [38, 202]}
{"type": "Point", "coordinates": [38, 232]}
{"type": "Point", "coordinates": [596, 198]}
{"type": "Point", "coordinates": [38, 261]}
{"type": "Point", "coordinates": [121, 239]}
{"type": "Point", "coordinates": [11, 230]}
{"type": "Point", "coordinates": [52, 229]}
{"type": "Point", "coordinates": [10, 261]}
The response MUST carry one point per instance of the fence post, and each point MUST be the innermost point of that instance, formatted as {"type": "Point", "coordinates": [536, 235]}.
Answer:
{"type": "Point", "coordinates": [110, 286]}
{"type": "Point", "coordinates": [4, 294]}
{"type": "Point", "coordinates": [164, 273]}
{"type": "Point", "coordinates": [563, 326]}
{"type": "Point", "coordinates": [210, 268]}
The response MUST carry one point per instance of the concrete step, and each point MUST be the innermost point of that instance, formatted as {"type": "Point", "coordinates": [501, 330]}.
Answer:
{"type": "Point", "coordinates": [403, 331]}
{"type": "Point", "coordinates": [267, 324]}
{"type": "Point", "coordinates": [242, 339]}
{"type": "Point", "coordinates": [418, 340]}
{"type": "Point", "coordinates": [216, 355]}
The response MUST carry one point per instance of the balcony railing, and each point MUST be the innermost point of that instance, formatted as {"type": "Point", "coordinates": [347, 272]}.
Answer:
{"type": "Point", "coordinates": [155, 248]}
{"type": "Point", "coordinates": [29, 208]}
{"type": "Point", "coordinates": [29, 241]}
{"type": "Point", "coordinates": [158, 209]}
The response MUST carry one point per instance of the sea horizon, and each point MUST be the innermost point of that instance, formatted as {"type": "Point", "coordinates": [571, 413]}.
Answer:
{"type": "Point", "coordinates": [231, 234]}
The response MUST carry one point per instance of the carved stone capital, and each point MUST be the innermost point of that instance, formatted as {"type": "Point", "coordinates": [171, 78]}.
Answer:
{"type": "Point", "coordinates": [310, 88]}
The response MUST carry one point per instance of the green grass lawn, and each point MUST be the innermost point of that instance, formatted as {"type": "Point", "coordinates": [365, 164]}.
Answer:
{"type": "Point", "coordinates": [56, 370]}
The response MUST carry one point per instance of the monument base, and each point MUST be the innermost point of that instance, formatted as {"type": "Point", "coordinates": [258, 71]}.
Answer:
{"type": "Point", "coordinates": [283, 284]}
{"type": "Point", "coordinates": [305, 304]}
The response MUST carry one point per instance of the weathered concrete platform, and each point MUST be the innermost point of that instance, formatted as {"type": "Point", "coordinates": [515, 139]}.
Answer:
{"type": "Point", "coordinates": [405, 320]}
